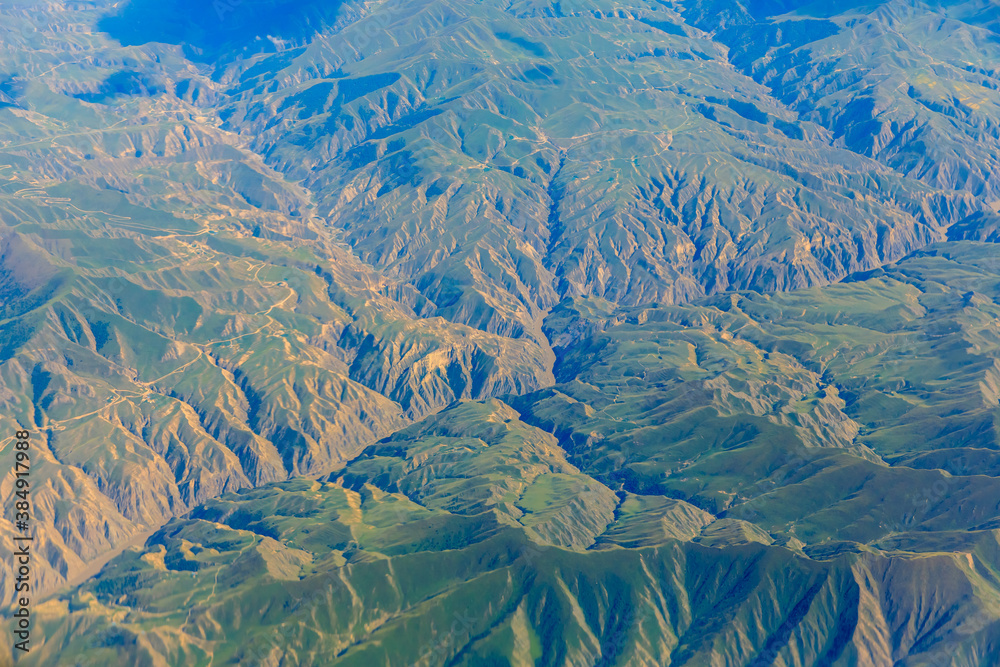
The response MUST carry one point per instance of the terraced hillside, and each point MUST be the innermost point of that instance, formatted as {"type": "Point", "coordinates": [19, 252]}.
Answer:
{"type": "Point", "coordinates": [428, 332]}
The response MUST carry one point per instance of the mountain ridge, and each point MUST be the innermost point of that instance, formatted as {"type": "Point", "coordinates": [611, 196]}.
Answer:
{"type": "Point", "coordinates": [712, 253]}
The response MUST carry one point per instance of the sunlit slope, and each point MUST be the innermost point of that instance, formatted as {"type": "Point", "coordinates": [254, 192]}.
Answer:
{"type": "Point", "coordinates": [502, 158]}
{"type": "Point", "coordinates": [319, 573]}
{"type": "Point", "coordinates": [914, 85]}
{"type": "Point", "coordinates": [175, 321]}
{"type": "Point", "coordinates": [158, 369]}
{"type": "Point", "coordinates": [242, 245]}
{"type": "Point", "coordinates": [804, 478]}
{"type": "Point", "coordinates": [849, 412]}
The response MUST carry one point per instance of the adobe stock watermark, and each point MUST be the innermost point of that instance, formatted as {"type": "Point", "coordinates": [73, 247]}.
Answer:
{"type": "Point", "coordinates": [357, 36]}
{"type": "Point", "coordinates": [789, 464]}
{"type": "Point", "coordinates": [223, 8]}
{"type": "Point", "coordinates": [920, 503]}
{"type": "Point", "coordinates": [24, 29]}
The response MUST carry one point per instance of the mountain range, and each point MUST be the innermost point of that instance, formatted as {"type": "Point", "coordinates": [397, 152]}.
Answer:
{"type": "Point", "coordinates": [422, 332]}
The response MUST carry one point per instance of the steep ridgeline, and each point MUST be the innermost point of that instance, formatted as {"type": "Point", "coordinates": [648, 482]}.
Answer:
{"type": "Point", "coordinates": [747, 480]}
{"type": "Point", "coordinates": [503, 157]}
{"type": "Point", "coordinates": [175, 321]}
{"type": "Point", "coordinates": [243, 241]}
{"type": "Point", "coordinates": [915, 86]}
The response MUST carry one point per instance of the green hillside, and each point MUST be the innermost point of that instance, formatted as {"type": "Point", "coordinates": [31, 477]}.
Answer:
{"type": "Point", "coordinates": [748, 479]}
{"type": "Point", "coordinates": [425, 332]}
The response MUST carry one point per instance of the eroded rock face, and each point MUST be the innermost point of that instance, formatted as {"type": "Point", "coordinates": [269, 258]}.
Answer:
{"type": "Point", "coordinates": [513, 171]}
{"type": "Point", "coordinates": [479, 513]}
{"type": "Point", "coordinates": [243, 241]}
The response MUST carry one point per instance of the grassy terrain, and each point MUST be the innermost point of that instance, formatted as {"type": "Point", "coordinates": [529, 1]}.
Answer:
{"type": "Point", "coordinates": [504, 333]}
{"type": "Point", "coordinates": [742, 480]}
